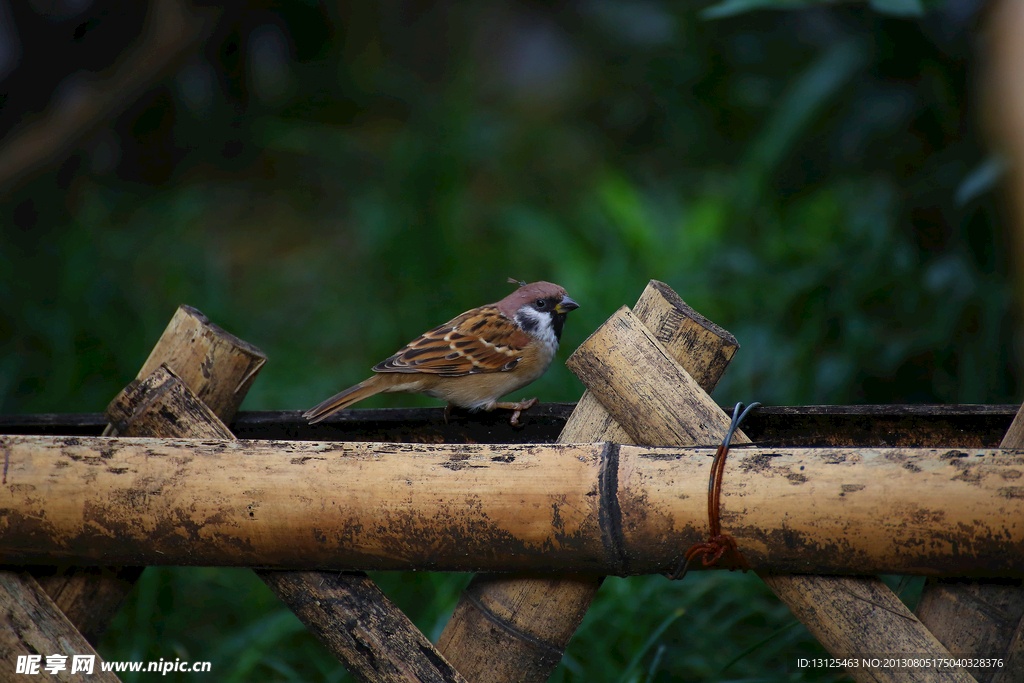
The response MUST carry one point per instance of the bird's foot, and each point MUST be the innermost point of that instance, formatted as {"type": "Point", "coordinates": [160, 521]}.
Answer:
{"type": "Point", "coordinates": [517, 407]}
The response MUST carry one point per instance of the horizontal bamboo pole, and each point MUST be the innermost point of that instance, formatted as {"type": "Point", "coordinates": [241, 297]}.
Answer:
{"type": "Point", "coordinates": [582, 507]}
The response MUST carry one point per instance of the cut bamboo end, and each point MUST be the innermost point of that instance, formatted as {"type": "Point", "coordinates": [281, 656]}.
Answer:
{"type": "Point", "coordinates": [644, 389]}
{"type": "Point", "coordinates": [192, 347]}
{"type": "Point", "coordinates": [702, 349]}
{"type": "Point", "coordinates": [163, 405]}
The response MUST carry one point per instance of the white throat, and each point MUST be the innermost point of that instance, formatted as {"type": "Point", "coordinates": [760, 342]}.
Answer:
{"type": "Point", "coordinates": [538, 325]}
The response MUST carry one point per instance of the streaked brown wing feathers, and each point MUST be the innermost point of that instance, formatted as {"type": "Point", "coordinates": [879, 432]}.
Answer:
{"type": "Point", "coordinates": [481, 340]}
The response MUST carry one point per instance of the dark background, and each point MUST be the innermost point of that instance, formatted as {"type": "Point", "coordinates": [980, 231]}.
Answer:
{"type": "Point", "coordinates": [326, 181]}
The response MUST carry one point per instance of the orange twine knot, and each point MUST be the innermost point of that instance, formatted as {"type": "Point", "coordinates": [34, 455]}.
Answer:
{"type": "Point", "coordinates": [718, 544]}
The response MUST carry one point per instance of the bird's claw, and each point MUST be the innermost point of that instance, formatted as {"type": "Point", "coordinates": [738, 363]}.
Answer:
{"type": "Point", "coordinates": [518, 408]}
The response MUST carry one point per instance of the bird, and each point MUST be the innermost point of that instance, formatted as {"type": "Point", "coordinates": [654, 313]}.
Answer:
{"type": "Point", "coordinates": [475, 358]}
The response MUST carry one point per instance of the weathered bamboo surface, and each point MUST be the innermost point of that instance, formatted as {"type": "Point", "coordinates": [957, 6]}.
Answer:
{"type": "Point", "coordinates": [218, 366]}
{"type": "Point", "coordinates": [647, 393]}
{"type": "Point", "coordinates": [978, 619]}
{"type": "Point", "coordinates": [31, 624]}
{"type": "Point", "coordinates": [162, 405]}
{"type": "Point", "coordinates": [586, 507]}
{"type": "Point", "coordinates": [519, 624]}
{"type": "Point", "coordinates": [981, 618]}
{"type": "Point", "coordinates": [844, 613]}
{"type": "Point", "coordinates": [358, 624]}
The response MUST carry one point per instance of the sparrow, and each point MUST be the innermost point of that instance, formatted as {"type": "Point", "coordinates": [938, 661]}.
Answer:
{"type": "Point", "coordinates": [473, 359]}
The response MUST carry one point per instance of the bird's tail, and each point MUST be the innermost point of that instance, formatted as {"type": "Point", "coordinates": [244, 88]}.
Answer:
{"type": "Point", "coordinates": [354, 394]}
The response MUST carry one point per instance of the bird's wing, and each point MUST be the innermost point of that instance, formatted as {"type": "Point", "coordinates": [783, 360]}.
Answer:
{"type": "Point", "coordinates": [480, 340]}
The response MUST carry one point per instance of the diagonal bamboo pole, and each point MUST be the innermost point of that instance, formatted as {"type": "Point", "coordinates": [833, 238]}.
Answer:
{"type": "Point", "coordinates": [32, 625]}
{"type": "Point", "coordinates": [219, 368]}
{"type": "Point", "coordinates": [516, 628]}
{"type": "Point", "coordinates": [348, 614]}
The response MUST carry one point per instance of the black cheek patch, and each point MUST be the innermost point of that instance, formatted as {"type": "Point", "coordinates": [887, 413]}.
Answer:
{"type": "Point", "coordinates": [526, 323]}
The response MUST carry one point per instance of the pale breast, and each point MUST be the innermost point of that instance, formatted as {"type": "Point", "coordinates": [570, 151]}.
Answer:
{"type": "Point", "coordinates": [481, 391]}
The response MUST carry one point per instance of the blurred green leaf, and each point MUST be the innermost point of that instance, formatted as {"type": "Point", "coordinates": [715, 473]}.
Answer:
{"type": "Point", "coordinates": [899, 8]}
{"type": "Point", "coordinates": [981, 179]}
{"type": "Point", "coordinates": [804, 99]}
{"type": "Point", "coordinates": [729, 8]}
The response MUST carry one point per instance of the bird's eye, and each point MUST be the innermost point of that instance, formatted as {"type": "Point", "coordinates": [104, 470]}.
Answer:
{"type": "Point", "coordinates": [541, 303]}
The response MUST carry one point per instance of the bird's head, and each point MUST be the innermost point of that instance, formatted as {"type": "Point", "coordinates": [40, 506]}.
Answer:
{"type": "Point", "coordinates": [538, 307]}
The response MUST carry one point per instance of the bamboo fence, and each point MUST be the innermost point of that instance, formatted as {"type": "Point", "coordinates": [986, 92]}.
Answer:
{"type": "Point", "coordinates": [824, 499]}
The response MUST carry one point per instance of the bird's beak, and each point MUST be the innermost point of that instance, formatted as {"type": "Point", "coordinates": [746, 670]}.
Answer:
{"type": "Point", "coordinates": [566, 305]}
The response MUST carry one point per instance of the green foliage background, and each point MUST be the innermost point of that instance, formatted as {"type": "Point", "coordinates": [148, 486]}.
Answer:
{"type": "Point", "coordinates": [326, 182]}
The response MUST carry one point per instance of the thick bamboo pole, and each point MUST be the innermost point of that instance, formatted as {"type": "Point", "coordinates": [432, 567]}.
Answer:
{"type": "Point", "coordinates": [219, 368]}
{"type": "Point", "coordinates": [979, 619]}
{"type": "Point", "coordinates": [585, 507]}
{"type": "Point", "coordinates": [516, 628]}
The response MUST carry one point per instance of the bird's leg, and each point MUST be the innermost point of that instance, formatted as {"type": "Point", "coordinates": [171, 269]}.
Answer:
{"type": "Point", "coordinates": [447, 412]}
{"type": "Point", "coordinates": [518, 407]}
